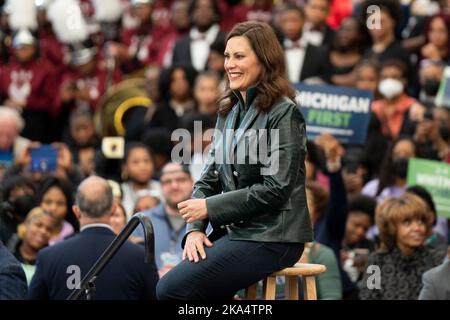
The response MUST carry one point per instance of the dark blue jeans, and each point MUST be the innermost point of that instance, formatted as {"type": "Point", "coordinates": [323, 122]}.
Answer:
{"type": "Point", "coordinates": [230, 265]}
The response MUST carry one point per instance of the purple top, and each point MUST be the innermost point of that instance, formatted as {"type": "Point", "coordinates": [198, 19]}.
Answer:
{"type": "Point", "coordinates": [66, 231]}
{"type": "Point", "coordinates": [371, 187]}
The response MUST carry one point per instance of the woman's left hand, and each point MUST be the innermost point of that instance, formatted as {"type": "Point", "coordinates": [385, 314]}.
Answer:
{"type": "Point", "coordinates": [193, 210]}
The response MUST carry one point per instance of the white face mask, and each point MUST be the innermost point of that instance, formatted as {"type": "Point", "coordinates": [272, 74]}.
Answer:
{"type": "Point", "coordinates": [390, 88]}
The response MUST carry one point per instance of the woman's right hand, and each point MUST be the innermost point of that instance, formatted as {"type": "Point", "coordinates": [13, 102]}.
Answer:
{"type": "Point", "coordinates": [194, 246]}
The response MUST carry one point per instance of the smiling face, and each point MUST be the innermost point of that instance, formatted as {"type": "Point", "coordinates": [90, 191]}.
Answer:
{"type": "Point", "coordinates": [39, 231]}
{"type": "Point", "coordinates": [55, 202]}
{"type": "Point", "coordinates": [176, 184]}
{"type": "Point", "coordinates": [241, 64]}
{"type": "Point", "coordinates": [411, 233]}
{"type": "Point", "coordinates": [358, 223]}
{"type": "Point", "coordinates": [404, 222]}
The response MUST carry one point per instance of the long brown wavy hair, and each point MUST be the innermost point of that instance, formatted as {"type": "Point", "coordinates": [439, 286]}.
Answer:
{"type": "Point", "coordinates": [273, 82]}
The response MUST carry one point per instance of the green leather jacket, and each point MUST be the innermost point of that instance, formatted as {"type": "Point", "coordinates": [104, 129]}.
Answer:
{"type": "Point", "coordinates": [242, 201]}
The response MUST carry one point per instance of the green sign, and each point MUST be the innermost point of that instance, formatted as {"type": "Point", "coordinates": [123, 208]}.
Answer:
{"type": "Point", "coordinates": [435, 177]}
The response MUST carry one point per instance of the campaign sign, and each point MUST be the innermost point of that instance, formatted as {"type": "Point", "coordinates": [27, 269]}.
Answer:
{"type": "Point", "coordinates": [342, 112]}
{"type": "Point", "coordinates": [435, 177]}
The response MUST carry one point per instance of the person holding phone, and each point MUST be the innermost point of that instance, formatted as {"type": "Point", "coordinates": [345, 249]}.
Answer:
{"type": "Point", "coordinates": [258, 211]}
{"type": "Point", "coordinates": [38, 153]}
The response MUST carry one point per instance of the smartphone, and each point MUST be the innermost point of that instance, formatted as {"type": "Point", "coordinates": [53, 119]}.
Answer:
{"type": "Point", "coordinates": [44, 158]}
{"type": "Point", "coordinates": [113, 147]}
{"type": "Point", "coordinates": [6, 158]}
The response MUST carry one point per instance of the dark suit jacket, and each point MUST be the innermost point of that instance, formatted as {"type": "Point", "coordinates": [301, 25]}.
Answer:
{"type": "Point", "coordinates": [315, 63]}
{"type": "Point", "coordinates": [436, 283]}
{"type": "Point", "coordinates": [182, 49]}
{"type": "Point", "coordinates": [266, 206]}
{"type": "Point", "coordinates": [13, 284]}
{"type": "Point", "coordinates": [328, 36]}
{"type": "Point", "coordinates": [126, 277]}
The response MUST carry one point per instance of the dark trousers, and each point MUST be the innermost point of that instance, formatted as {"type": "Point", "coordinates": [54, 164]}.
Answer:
{"type": "Point", "coordinates": [230, 265]}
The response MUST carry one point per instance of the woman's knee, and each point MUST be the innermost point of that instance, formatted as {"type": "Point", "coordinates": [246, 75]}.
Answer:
{"type": "Point", "coordinates": [173, 286]}
{"type": "Point", "coordinates": [163, 289]}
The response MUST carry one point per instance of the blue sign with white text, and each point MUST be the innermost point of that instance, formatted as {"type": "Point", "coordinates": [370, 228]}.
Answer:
{"type": "Point", "coordinates": [342, 112]}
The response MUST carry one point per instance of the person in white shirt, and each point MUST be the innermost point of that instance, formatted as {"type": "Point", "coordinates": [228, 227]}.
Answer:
{"type": "Point", "coordinates": [316, 31]}
{"type": "Point", "coordinates": [193, 49]}
{"type": "Point", "coordinates": [138, 170]}
{"type": "Point", "coordinates": [305, 60]}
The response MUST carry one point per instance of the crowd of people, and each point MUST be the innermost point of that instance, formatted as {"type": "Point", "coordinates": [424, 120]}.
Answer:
{"type": "Point", "coordinates": [362, 209]}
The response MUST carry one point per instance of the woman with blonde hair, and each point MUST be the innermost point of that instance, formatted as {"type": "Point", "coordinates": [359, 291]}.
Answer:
{"type": "Point", "coordinates": [404, 224]}
{"type": "Point", "coordinates": [32, 235]}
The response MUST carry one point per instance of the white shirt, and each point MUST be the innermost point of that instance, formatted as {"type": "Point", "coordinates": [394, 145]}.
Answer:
{"type": "Point", "coordinates": [294, 58]}
{"type": "Point", "coordinates": [95, 225]}
{"type": "Point", "coordinates": [312, 36]}
{"type": "Point", "coordinates": [129, 196]}
{"type": "Point", "coordinates": [200, 43]}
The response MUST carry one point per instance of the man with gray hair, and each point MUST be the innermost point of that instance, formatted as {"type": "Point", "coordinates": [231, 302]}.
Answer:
{"type": "Point", "coordinates": [11, 143]}
{"type": "Point", "coordinates": [59, 269]}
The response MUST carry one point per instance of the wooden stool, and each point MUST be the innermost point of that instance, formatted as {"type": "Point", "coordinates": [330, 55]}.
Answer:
{"type": "Point", "coordinates": [307, 271]}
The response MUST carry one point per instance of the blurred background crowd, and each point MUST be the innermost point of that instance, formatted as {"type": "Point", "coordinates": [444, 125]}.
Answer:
{"type": "Point", "coordinates": [73, 72]}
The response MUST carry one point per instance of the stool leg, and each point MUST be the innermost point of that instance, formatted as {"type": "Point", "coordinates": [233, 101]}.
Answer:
{"type": "Point", "coordinates": [309, 288]}
{"type": "Point", "coordinates": [269, 288]}
{"type": "Point", "coordinates": [291, 288]}
{"type": "Point", "coordinates": [250, 292]}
